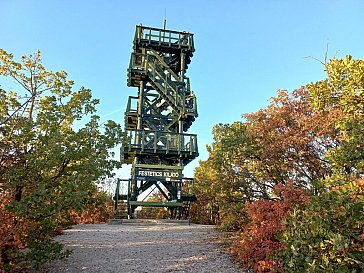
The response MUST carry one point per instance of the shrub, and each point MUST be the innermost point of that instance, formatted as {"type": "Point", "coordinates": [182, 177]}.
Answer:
{"type": "Point", "coordinates": [327, 236]}
{"type": "Point", "coordinates": [99, 208]}
{"type": "Point", "coordinates": [260, 241]}
{"type": "Point", "coordinates": [10, 232]}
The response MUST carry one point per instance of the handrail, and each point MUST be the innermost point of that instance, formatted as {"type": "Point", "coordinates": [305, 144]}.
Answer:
{"type": "Point", "coordinates": [165, 141]}
{"type": "Point", "coordinates": [163, 75]}
{"type": "Point", "coordinates": [152, 63]}
{"type": "Point", "coordinates": [138, 60]}
{"type": "Point", "coordinates": [178, 98]}
{"type": "Point", "coordinates": [163, 30]}
{"type": "Point", "coordinates": [154, 74]}
{"type": "Point", "coordinates": [156, 55]}
{"type": "Point", "coordinates": [182, 39]}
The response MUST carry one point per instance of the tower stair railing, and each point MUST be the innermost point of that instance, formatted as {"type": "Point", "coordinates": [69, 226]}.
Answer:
{"type": "Point", "coordinates": [163, 37]}
{"type": "Point", "coordinates": [168, 89]}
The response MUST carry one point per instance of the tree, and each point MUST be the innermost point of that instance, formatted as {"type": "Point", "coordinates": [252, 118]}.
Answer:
{"type": "Point", "coordinates": [154, 212]}
{"type": "Point", "coordinates": [328, 235]}
{"type": "Point", "coordinates": [46, 163]}
{"type": "Point", "coordinates": [205, 210]}
{"type": "Point", "coordinates": [98, 208]}
{"type": "Point", "coordinates": [286, 141]}
{"type": "Point", "coordinates": [343, 91]}
{"type": "Point", "coordinates": [219, 183]}
{"type": "Point", "coordinates": [293, 138]}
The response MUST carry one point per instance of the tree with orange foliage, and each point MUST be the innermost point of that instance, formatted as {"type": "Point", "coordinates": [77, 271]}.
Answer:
{"type": "Point", "coordinates": [286, 141]}
{"type": "Point", "coordinates": [293, 139]}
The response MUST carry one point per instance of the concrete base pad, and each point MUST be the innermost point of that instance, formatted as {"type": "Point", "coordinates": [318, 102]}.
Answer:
{"type": "Point", "coordinates": [115, 221]}
{"type": "Point", "coordinates": [154, 222]}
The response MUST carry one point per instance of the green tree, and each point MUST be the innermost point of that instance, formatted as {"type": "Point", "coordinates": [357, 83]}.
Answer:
{"type": "Point", "coordinates": [154, 212]}
{"type": "Point", "coordinates": [205, 210]}
{"type": "Point", "coordinates": [46, 163]}
{"type": "Point", "coordinates": [343, 92]}
{"type": "Point", "coordinates": [220, 185]}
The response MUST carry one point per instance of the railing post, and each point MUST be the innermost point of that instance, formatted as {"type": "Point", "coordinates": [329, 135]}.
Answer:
{"type": "Point", "coordinates": [117, 192]}
{"type": "Point", "coordinates": [138, 34]}
{"type": "Point", "coordinates": [168, 142]}
{"type": "Point", "coordinates": [143, 140]}
{"type": "Point", "coordinates": [130, 136]}
{"type": "Point", "coordinates": [155, 142]}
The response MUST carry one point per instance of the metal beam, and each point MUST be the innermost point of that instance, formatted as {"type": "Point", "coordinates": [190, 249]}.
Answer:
{"type": "Point", "coordinates": [156, 204]}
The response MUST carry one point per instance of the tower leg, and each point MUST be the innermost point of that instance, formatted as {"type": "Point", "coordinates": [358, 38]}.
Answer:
{"type": "Point", "coordinates": [131, 211]}
{"type": "Point", "coordinates": [179, 213]}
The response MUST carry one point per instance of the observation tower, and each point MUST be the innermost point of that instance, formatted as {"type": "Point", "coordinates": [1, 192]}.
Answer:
{"type": "Point", "coordinates": [157, 120]}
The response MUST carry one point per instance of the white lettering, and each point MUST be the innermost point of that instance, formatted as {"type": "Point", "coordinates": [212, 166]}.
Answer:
{"type": "Point", "coordinates": [151, 173]}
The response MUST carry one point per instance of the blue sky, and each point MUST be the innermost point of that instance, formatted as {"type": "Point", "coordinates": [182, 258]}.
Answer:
{"type": "Point", "coordinates": [245, 50]}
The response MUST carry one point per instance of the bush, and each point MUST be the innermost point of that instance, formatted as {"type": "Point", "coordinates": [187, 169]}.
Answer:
{"type": "Point", "coordinates": [327, 236]}
{"type": "Point", "coordinates": [260, 239]}
{"type": "Point", "coordinates": [99, 208]}
{"type": "Point", "coordinates": [11, 230]}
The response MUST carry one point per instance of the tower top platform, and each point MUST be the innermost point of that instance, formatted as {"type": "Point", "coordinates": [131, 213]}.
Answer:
{"type": "Point", "coordinates": [163, 39]}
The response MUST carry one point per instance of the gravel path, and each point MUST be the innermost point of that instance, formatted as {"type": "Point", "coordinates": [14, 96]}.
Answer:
{"type": "Point", "coordinates": [143, 248]}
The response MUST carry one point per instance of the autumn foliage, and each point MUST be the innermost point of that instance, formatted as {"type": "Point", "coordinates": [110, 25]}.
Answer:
{"type": "Point", "coordinates": [13, 230]}
{"type": "Point", "coordinates": [10, 230]}
{"type": "Point", "coordinates": [99, 208]}
{"type": "Point", "coordinates": [289, 177]}
{"type": "Point", "coordinates": [260, 239]}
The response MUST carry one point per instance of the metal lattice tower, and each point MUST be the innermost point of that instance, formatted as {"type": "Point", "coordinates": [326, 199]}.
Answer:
{"type": "Point", "coordinates": [156, 120]}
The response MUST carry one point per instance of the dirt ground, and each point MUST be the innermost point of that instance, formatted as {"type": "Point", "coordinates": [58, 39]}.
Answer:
{"type": "Point", "coordinates": [143, 248]}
